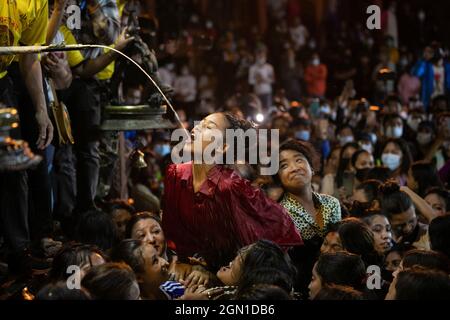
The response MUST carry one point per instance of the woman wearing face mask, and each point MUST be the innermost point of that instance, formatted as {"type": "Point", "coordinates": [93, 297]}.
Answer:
{"type": "Point", "coordinates": [393, 126]}
{"type": "Point", "coordinates": [344, 135]}
{"type": "Point", "coordinates": [397, 157]}
{"type": "Point", "coordinates": [342, 186]}
{"type": "Point", "coordinates": [425, 138]}
{"type": "Point", "coordinates": [362, 162]}
{"type": "Point", "coordinates": [316, 77]}
{"type": "Point", "coordinates": [209, 209]}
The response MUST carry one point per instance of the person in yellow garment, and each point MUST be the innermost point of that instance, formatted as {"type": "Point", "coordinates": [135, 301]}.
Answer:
{"type": "Point", "coordinates": [24, 22]}
{"type": "Point", "coordinates": [77, 181]}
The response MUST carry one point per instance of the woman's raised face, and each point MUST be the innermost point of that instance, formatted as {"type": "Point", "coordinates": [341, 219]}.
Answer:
{"type": "Point", "coordinates": [204, 133]}
{"type": "Point", "coordinates": [382, 233]}
{"type": "Point", "coordinates": [156, 268]}
{"type": "Point", "coordinates": [150, 231]}
{"type": "Point", "coordinates": [437, 203]}
{"type": "Point", "coordinates": [294, 171]}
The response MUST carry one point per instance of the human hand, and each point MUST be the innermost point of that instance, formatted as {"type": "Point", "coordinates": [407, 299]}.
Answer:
{"type": "Point", "coordinates": [123, 40]}
{"type": "Point", "coordinates": [179, 271]}
{"type": "Point", "coordinates": [197, 277]}
{"type": "Point", "coordinates": [54, 63]}
{"type": "Point", "coordinates": [45, 129]}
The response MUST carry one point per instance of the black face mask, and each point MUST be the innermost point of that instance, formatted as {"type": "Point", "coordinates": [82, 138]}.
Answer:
{"type": "Point", "coordinates": [386, 275]}
{"type": "Point", "coordinates": [361, 174]}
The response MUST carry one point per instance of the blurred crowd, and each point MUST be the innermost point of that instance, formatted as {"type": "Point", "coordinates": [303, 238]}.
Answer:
{"type": "Point", "coordinates": [364, 162]}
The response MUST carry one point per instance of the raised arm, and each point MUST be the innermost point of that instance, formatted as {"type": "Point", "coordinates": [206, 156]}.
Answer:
{"type": "Point", "coordinates": [420, 204]}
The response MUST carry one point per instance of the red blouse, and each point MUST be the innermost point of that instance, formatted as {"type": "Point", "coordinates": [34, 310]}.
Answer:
{"type": "Point", "coordinates": [226, 214]}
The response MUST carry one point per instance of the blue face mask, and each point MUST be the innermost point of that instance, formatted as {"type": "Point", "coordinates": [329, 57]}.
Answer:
{"type": "Point", "coordinates": [303, 135]}
{"type": "Point", "coordinates": [162, 149]}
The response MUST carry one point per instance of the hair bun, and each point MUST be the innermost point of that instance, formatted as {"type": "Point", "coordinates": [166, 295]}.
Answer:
{"type": "Point", "coordinates": [389, 187]}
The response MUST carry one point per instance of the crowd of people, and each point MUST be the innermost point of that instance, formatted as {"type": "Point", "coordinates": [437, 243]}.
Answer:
{"type": "Point", "coordinates": [359, 208]}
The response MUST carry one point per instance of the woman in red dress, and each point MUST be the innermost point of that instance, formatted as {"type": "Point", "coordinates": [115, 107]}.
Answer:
{"type": "Point", "coordinates": [211, 211]}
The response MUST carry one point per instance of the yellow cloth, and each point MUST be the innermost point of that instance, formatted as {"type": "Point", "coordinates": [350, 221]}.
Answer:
{"type": "Point", "coordinates": [24, 22]}
{"type": "Point", "coordinates": [121, 5]}
{"type": "Point", "coordinates": [76, 57]}
{"type": "Point", "coordinates": [106, 73]}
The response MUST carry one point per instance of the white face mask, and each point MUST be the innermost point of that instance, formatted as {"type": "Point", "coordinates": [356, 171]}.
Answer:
{"type": "Point", "coordinates": [413, 123]}
{"type": "Point", "coordinates": [423, 138]}
{"type": "Point", "coordinates": [325, 109]}
{"type": "Point", "coordinates": [367, 147]}
{"type": "Point", "coordinates": [391, 160]}
{"type": "Point", "coordinates": [343, 140]}
{"type": "Point", "coordinates": [374, 138]}
{"type": "Point", "coordinates": [394, 132]}
{"type": "Point", "coordinates": [315, 62]}
{"type": "Point", "coordinates": [261, 60]}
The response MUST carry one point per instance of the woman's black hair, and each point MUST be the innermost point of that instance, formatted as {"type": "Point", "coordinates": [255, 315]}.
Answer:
{"type": "Point", "coordinates": [420, 284]}
{"type": "Point", "coordinates": [138, 217]}
{"type": "Point", "coordinates": [344, 164]}
{"type": "Point", "coordinates": [127, 251]}
{"type": "Point", "coordinates": [426, 176]}
{"type": "Point", "coordinates": [379, 173]}
{"type": "Point", "coordinates": [393, 200]}
{"type": "Point", "coordinates": [342, 268]}
{"type": "Point", "coordinates": [370, 188]}
{"type": "Point", "coordinates": [356, 155]}
{"type": "Point", "coordinates": [267, 276]}
{"type": "Point", "coordinates": [303, 147]}
{"type": "Point", "coordinates": [442, 193]}
{"type": "Point", "coordinates": [266, 292]}
{"type": "Point", "coordinates": [403, 145]}
{"type": "Point", "coordinates": [71, 253]}
{"type": "Point", "coordinates": [97, 228]}
{"type": "Point", "coordinates": [236, 124]}
{"type": "Point", "coordinates": [60, 291]}
{"type": "Point", "coordinates": [265, 254]}
{"type": "Point", "coordinates": [356, 237]}
{"type": "Point", "coordinates": [439, 233]}
{"type": "Point", "coordinates": [426, 259]}
{"type": "Point", "coordinates": [338, 292]}
{"type": "Point", "coordinates": [111, 281]}
{"type": "Point", "coordinates": [110, 207]}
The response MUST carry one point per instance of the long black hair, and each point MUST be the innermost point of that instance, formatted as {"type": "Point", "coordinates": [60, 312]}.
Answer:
{"type": "Point", "coordinates": [393, 200]}
{"type": "Point", "coordinates": [343, 163]}
{"type": "Point", "coordinates": [426, 176]}
{"type": "Point", "coordinates": [403, 145]}
{"type": "Point", "coordinates": [265, 254]}
{"type": "Point", "coordinates": [342, 268]}
{"type": "Point", "coordinates": [304, 148]}
{"type": "Point", "coordinates": [422, 284]}
{"type": "Point", "coordinates": [72, 253]}
{"type": "Point", "coordinates": [356, 237]}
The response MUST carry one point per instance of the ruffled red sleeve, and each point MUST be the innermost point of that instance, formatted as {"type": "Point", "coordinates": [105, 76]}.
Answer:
{"type": "Point", "coordinates": [258, 217]}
